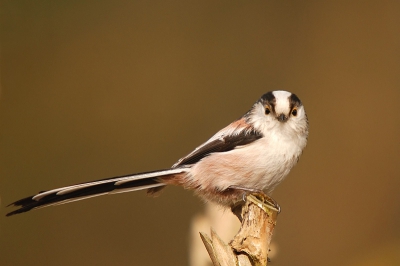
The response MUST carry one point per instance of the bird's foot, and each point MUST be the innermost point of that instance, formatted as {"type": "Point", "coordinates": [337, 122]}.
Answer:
{"type": "Point", "coordinates": [259, 194]}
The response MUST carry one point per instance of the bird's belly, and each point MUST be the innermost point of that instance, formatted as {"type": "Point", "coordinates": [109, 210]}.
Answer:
{"type": "Point", "coordinates": [252, 166]}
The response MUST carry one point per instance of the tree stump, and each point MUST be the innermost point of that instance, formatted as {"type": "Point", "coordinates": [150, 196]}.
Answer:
{"type": "Point", "coordinates": [250, 246]}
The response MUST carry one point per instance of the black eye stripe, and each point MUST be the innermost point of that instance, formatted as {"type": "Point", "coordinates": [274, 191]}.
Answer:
{"type": "Point", "coordinates": [294, 101]}
{"type": "Point", "coordinates": [269, 100]}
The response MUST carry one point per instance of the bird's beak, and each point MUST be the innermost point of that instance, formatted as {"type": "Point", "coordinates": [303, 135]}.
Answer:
{"type": "Point", "coordinates": [282, 118]}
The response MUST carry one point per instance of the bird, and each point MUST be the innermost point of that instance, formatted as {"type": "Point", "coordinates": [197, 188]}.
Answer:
{"type": "Point", "coordinates": [252, 154]}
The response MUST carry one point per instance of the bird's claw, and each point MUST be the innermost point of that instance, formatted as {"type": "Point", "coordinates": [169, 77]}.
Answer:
{"type": "Point", "coordinates": [259, 194]}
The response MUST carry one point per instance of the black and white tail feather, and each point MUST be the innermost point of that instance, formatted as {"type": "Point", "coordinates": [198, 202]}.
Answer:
{"type": "Point", "coordinates": [96, 188]}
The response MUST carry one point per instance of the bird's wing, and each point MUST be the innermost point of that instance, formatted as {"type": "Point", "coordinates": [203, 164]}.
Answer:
{"type": "Point", "coordinates": [238, 133]}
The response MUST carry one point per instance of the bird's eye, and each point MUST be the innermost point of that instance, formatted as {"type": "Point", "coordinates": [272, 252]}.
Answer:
{"type": "Point", "coordinates": [294, 112]}
{"type": "Point", "coordinates": [267, 111]}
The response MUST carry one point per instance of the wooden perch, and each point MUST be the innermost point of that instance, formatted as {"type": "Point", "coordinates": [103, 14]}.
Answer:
{"type": "Point", "coordinates": [250, 246]}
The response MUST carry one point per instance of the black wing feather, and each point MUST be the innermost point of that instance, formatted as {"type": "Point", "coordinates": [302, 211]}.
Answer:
{"type": "Point", "coordinates": [222, 144]}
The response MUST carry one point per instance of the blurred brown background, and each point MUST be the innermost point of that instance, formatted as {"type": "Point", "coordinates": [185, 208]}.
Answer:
{"type": "Point", "coordinates": [94, 89]}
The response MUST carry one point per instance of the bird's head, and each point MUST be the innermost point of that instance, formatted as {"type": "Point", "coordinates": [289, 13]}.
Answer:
{"type": "Point", "coordinates": [281, 110]}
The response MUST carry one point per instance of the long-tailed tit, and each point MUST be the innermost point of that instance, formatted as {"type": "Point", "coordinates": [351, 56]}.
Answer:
{"type": "Point", "coordinates": [254, 153]}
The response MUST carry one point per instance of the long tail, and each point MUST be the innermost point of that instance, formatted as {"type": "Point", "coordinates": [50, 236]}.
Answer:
{"type": "Point", "coordinates": [87, 190]}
